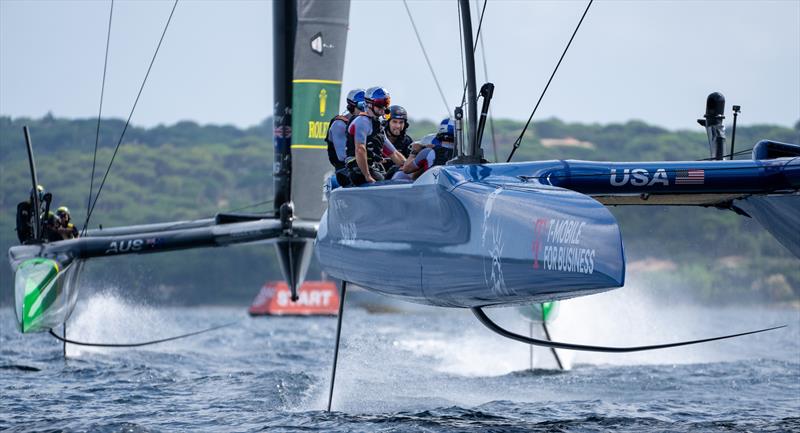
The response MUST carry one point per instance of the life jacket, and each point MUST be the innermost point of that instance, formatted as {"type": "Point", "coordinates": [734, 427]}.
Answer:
{"type": "Point", "coordinates": [332, 156]}
{"type": "Point", "coordinates": [72, 231]}
{"type": "Point", "coordinates": [443, 154]}
{"type": "Point", "coordinates": [374, 140]}
{"type": "Point", "coordinates": [403, 144]}
{"type": "Point", "coordinates": [50, 226]}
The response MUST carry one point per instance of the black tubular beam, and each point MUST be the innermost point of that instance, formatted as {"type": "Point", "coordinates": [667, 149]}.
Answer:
{"type": "Point", "coordinates": [35, 181]}
{"type": "Point", "coordinates": [736, 110]}
{"type": "Point", "coordinates": [338, 336]}
{"type": "Point", "coordinates": [486, 321]}
{"type": "Point", "coordinates": [64, 343]}
{"type": "Point", "coordinates": [487, 90]}
{"type": "Point", "coordinates": [284, 26]}
{"type": "Point", "coordinates": [552, 349]}
{"type": "Point", "coordinates": [472, 98]}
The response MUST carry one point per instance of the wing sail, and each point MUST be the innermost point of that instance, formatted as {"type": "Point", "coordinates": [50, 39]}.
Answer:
{"type": "Point", "coordinates": [319, 63]}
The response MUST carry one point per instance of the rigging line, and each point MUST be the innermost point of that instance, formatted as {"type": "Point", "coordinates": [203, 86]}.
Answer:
{"type": "Point", "coordinates": [519, 139]}
{"type": "Point", "coordinates": [144, 343]}
{"type": "Point", "coordinates": [99, 114]}
{"type": "Point", "coordinates": [427, 60]}
{"type": "Point", "coordinates": [249, 206]}
{"type": "Point", "coordinates": [486, 75]}
{"type": "Point", "coordinates": [730, 155]}
{"type": "Point", "coordinates": [461, 51]}
{"type": "Point", "coordinates": [119, 143]}
{"type": "Point", "coordinates": [183, 223]}
{"type": "Point", "coordinates": [474, 47]}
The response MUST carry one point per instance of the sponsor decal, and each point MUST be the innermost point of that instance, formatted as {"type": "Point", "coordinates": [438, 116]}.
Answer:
{"type": "Point", "coordinates": [541, 226]}
{"type": "Point", "coordinates": [318, 130]}
{"type": "Point", "coordinates": [639, 177]}
{"type": "Point", "coordinates": [117, 247]}
{"type": "Point", "coordinates": [323, 98]}
{"type": "Point", "coordinates": [558, 241]}
{"type": "Point", "coordinates": [317, 44]}
{"type": "Point", "coordinates": [690, 177]}
{"type": "Point", "coordinates": [493, 243]}
{"type": "Point", "coordinates": [349, 232]}
{"type": "Point", "coordinates": [284, 131]}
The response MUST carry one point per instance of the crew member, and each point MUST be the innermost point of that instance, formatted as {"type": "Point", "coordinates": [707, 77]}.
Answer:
{"type": "Point", "coordinates": [367, 144]}
{"type": "Point", "coordinates": [420, 158]}
{"type": "Point", "coordinates": [396, 127]}
{"type": "Point", "coordinates": [337, 134]}
{"type": "Point", "coordinates": [445, 143]}
{"type": "Point", "coordinates": [66, 229]}
{"type": "Point", "coordinates": [25, 214]}
{"type": "Point", "coordinates": [50, 228]}
{"type": "Point", "coordinates": [433, 149]}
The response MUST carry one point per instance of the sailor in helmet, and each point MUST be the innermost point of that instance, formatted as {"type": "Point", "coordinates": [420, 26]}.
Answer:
{"type": "Point", "coordinates": [26, 214]}
{"type": "Point", "coordinates": [367, 144]}
{"type": "Point", "coordinates": [337, 134]}
{"type": "Point", "coordinates": [65, 226]}
{"type": "Point", "coordinates": [395, 128]}
{"type": "Point", "coordinates": [431, 150]}
{"type": "Point", "coordinates": [50, 228]}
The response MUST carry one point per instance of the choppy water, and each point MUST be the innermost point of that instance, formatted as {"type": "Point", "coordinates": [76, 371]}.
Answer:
{"type": "Point", "coordinates": [426, 370]}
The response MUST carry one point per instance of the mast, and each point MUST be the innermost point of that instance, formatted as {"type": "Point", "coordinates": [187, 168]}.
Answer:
{"type": "Point", "coordinates": [472, 151]}
{"type": "Point", "coordinates": [284, 25]}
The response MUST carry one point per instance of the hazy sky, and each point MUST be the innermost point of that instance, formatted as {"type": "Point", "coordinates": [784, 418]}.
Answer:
{"type": "Point", "coordinates": [649, 60]}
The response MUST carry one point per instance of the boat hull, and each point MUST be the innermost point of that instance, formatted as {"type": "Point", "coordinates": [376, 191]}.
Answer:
{"type": "Point", "coordinates": [447, 241]}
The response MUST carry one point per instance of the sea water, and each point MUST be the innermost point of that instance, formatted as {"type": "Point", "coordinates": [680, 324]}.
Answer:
{"type": "Point", "coordinates": [426, 369]}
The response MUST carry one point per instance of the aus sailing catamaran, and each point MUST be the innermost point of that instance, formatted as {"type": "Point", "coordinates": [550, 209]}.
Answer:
{"type": "Point", "coordinates": [494, 234]}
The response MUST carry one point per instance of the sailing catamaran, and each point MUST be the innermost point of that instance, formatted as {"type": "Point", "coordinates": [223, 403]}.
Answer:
{"type": "Point", "coordinates": [494, 234]}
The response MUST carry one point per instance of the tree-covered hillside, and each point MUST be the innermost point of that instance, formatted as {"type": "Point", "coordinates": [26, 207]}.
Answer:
{"type": "Point", "coordinates": [187, 171]}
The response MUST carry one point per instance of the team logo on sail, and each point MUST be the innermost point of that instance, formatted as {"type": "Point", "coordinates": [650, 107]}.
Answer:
{"type": "Point", "coordinates": [323, 98]}
{"type": "Point", "coordinates": [316, 43]}
{"type": "Point", "coordinates": [639, 177]}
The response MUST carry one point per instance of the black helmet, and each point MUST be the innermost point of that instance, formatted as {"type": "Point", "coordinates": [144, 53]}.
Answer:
{"type": "Point", "coordinates": [398, 112]}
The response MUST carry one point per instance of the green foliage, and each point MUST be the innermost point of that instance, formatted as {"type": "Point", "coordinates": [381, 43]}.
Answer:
{"type": "Point", "coordinates": [188, 171]}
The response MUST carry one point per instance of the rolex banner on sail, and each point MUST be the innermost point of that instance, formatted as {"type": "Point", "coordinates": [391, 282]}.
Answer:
{"type": "Point", "coordinates": [318, 63]}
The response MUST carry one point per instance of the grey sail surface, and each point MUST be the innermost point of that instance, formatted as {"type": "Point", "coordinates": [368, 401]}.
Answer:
{"type": "Point", "coordinates": [319, 52]}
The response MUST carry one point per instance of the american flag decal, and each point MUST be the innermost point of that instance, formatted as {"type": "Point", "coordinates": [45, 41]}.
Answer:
{"type": "Point", "coordinates": [690, 177]}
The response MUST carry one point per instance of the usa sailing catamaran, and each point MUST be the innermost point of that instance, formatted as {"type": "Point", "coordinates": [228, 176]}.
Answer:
{"type": "Point", "coordinates": [495, 234]}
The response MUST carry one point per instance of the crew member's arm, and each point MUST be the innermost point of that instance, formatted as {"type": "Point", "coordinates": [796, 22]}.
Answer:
{"type": "Point", "coordinates": [360, 129]}
{"type": "Point", "coordinates": [409, 166]}
{"type": "Point", "coordinates": [361, 160]}
{"type": "Point", "coordinates": [390, 151]}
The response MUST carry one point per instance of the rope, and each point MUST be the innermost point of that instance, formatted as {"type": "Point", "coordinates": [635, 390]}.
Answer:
{"type": "Point", "coordinates": [99, 113]}
{"type": "Point", "coordinates": [519, 139]}
{"type": "Point", "coordinates": [145, 343]}
{"type": "Point", "coordinates": [427, 60]}
{"type": "Point", "coordinates": [730, 155]}
{"type": "Point", "coordinates": [119, 143]}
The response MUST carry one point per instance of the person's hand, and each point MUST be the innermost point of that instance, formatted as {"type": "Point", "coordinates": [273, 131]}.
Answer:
{"type": "Point", "coordinates": [370, 179]}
